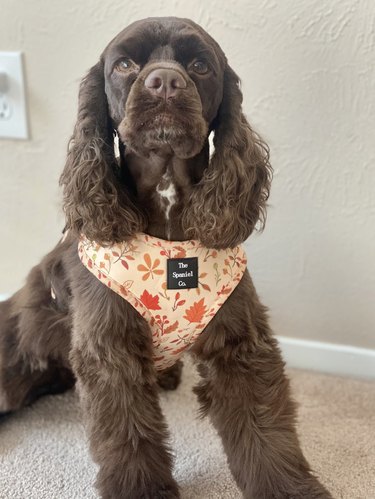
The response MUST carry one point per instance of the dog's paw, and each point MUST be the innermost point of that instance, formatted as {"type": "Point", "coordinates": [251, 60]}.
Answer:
{"type": "Point", "coordinates": [171, 377]}
{"type": "Point", "coordinates": [4, 415]}
{"type": "Point", "coordinates": [5, 408]}
{"type": "Point", "coordinates": [154, 490]}
{"type": "Point", "coordinates": [164, 492]}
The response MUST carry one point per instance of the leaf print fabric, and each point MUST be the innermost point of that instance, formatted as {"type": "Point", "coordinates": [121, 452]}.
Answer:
{"type": "Point", "coordinates": [136, 270]}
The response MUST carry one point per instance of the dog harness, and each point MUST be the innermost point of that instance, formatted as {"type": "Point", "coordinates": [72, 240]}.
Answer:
{"type": "Point", "coordinates": [176, 286]}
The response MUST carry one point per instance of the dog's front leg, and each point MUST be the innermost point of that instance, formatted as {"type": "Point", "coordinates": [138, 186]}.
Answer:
{"type": "Point", "coordinates": [246, 394]}
{"type": "Point", "coordinates": [112, 359]}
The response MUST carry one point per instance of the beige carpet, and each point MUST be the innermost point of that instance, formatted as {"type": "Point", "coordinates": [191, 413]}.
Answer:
{"type": "Point", "coordinates": [43, 454]}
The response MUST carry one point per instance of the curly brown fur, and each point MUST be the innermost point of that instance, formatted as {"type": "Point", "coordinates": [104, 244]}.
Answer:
{"type": "Point", "coordinates": [230, 199]}
{"type": "Point", "coordinates": [35, 335]}
{"type": "Point", "coordinates": [86, 332]}
{"type": "Point", "coordinates": [93, 203]}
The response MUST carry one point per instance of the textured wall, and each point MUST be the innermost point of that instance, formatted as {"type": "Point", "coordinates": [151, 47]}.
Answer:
{"type": "Point", "coordinates": [308, 80]}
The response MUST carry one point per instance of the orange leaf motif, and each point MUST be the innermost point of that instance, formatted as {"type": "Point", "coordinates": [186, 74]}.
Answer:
{"type": "Point", "coordinates": [151, 302]}
{"type": "Point", "coordinates": [181, 252]}
{"type": "Point", "coordinates": [196, 311]}
{"type": "Point", "coordinates": [156, 263]}
{"type": "Point", "coordinates": [124, 287]}
{"type": "Point", "coordinates": [171, 328]}
{"type": "Point", "coordinates": [225, 290]}
{"type": "Point", "coordinates": [150, 269]}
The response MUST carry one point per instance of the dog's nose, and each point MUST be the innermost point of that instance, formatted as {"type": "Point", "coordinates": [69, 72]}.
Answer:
{"type": "Point", "coordinates": [165, 82]}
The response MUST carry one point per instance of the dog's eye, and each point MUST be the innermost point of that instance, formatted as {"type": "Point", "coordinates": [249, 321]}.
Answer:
{"type": "Point", "coordinates": [124, 64]}
{"type": "Point", "coordinates": [200, 67]}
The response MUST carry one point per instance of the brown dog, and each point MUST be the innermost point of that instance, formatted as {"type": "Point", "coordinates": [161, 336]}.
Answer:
{"type": "Point", "coordinates": [162, 85]}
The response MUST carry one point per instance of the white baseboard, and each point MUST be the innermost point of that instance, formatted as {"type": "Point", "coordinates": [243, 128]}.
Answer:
{"type": "Point", "coordinates": [344, 360]}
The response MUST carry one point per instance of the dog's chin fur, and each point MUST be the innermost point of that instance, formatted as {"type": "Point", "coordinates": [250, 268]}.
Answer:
{"type": "Point", "coordinates": [145, 139]}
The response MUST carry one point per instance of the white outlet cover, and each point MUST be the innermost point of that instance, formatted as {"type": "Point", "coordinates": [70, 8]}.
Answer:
{"type": "Point", "coordinates": [13, 115]}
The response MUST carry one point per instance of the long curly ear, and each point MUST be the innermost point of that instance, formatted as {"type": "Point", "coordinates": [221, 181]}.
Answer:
{"type": "Point", "coordinates": [95, 203]}
{"type": "Point", "coordinates": [229, 200]}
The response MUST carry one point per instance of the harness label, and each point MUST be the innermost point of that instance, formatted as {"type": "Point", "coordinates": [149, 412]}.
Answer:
{"type": "Point", "coordinates": [182, 273]}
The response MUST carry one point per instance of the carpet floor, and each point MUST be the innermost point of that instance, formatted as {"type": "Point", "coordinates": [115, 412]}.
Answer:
{"type": "Point", "coordinates": [43, 451]}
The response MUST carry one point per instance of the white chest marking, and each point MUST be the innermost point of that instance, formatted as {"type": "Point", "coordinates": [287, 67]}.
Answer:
{"type": "Point", "coordinates": [168, 195]}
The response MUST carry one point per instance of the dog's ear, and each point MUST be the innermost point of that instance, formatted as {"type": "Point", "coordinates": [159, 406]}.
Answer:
{"type": "Point", "coordinates": [230, 199]}
{"type": "Point", "coordinates": [95, 203]}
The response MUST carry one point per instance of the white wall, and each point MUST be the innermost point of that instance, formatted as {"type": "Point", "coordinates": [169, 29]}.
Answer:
{"type": "Point", "coordinates": [308, 80]}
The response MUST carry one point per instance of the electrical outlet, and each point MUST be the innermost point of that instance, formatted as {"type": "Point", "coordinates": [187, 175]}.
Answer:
{"type": "Point", "coordinates": [13, 116]}
{"type": "Point", "coordinates": [5, 108]}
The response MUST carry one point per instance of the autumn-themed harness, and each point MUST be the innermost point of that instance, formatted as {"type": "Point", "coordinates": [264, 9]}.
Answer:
{"type": "Point", "coordinates": [176, 286]}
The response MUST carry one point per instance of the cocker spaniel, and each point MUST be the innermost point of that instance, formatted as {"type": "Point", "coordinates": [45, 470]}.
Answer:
{"type": "Point", "coordinates": [151, 265]}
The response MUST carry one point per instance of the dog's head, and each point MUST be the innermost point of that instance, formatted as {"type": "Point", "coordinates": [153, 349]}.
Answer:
{"type": "Point", "coordinates": [165, 83]}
